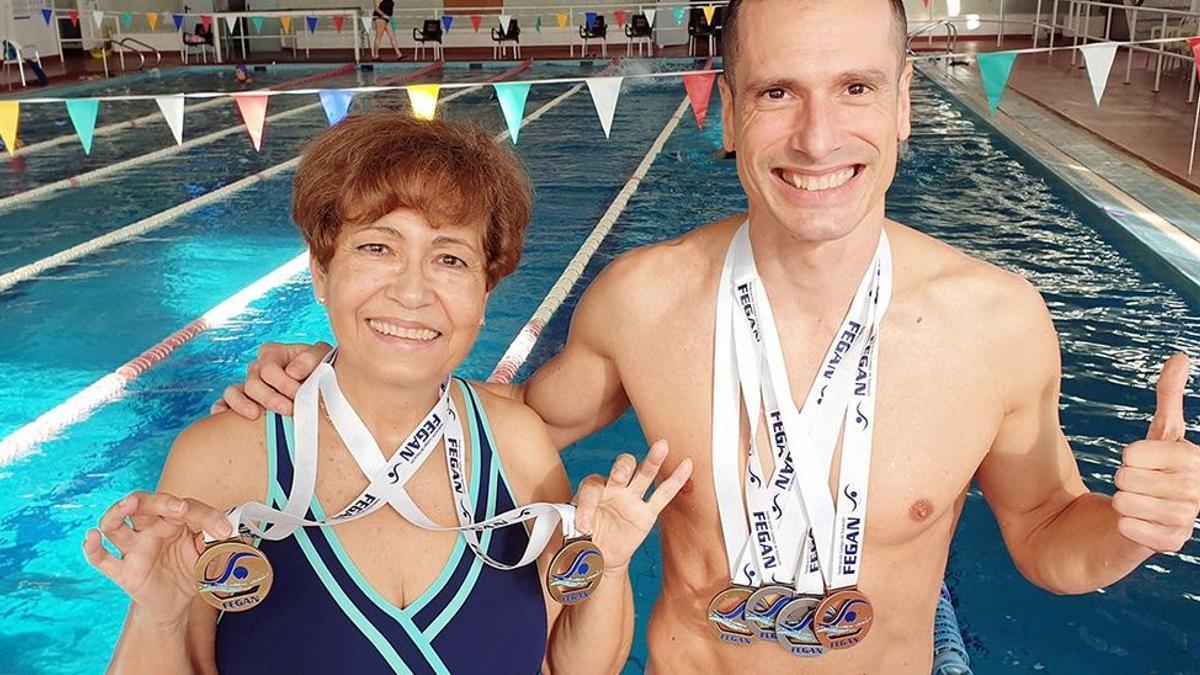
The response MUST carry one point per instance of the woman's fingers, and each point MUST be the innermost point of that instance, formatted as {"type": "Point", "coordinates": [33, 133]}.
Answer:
{"type": "Point", "coordinates": [99, 557]}
{"type": "Point", "coordinates": [648, 471]}
{"type": "Point", "coordinates": [670, 487]}
{"type": "Point", "coordinates": [196, 515]}
{"type": "Point", "coordinates": [113, 526]}
{"type": "Point", "coordinates": [587, 499]}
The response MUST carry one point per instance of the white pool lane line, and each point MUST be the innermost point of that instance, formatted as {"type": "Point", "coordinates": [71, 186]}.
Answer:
{"type": "Point", "coordinates": [110, 387]}
{"type": "Point", "coordinates": [89, 177]}
{"type": "Point", "coordinates": [157, 220]}
{"type": "Point", "coordinates": [518, 351]}
{"type": "Point", "coordinates": [152, 117]}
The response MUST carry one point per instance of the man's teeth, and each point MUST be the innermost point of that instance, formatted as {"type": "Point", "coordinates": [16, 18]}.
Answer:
{"type": "Point", "coordinates": [422, 334]}
{"type": "Point", "coordinates": [828, 181]}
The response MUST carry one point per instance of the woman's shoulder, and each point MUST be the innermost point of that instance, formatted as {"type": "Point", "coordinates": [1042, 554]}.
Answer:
{"type": "Point", "coordinates": [220, 460]}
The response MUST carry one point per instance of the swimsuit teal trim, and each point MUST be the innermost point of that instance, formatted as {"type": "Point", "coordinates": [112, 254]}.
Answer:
{"type": "Point", "coordinates": [468, 584]}
{"type": "Point", "coordinates": [487, 429]}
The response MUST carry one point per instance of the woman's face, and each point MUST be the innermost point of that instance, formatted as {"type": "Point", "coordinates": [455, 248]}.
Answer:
{"type": "Point", "coordinates": [405, 299]}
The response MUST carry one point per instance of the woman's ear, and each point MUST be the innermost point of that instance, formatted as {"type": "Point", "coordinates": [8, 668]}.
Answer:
{"type": "Point", "coordinates": [319, 278]}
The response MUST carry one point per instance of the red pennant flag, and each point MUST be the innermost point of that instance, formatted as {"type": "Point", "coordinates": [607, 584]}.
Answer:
{"type": "Point", "coordinates": [254, 114]}
{"type": "Point", "coordinates": [206, 21]}
{"type": "Point", "coordinates": [74, 14]}
{"type": "Point", "coordinates": [620, 17]}
{"type": "Point", "coordinates": [476, 21]}
{"type": "Point", "coordinates": [925, 2]}
{"type": "Point", "coordinates": [1194, 43]}
{"type": "Point", "coordinates": [338, 22]}
{"type": "Point", "coordinates": [699, 90]}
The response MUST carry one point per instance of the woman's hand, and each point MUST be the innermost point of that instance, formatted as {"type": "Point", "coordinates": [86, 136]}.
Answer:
{"type": "Point", "coordinates": [614, 511]}
{"type": "Point", "coordinates": [158, 552]}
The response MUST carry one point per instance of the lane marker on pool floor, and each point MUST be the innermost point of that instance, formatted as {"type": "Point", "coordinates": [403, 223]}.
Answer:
{"type": "Point", "coordinates": [154, 116]}
{"type": "Point", "coordinates": [89, 177]}
{"type": "Point", "coordinates": [110, 387]}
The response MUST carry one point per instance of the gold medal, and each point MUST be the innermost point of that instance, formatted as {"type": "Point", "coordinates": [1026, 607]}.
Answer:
{"type": "Point", "coordinates": [575, 572]}
{"type": "Point", "coordinates": [233, 576]}
{"type": "Point", "coordinates": [726, 615]}
{"type": "Point", "coordinates": [843, 619]}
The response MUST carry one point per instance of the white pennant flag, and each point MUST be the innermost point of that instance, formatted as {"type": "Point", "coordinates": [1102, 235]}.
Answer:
{"type": "Point", "coordinates": [366, 22]}
{"type": "Point", "coordinates": [97, 18]}
{"type": "Point", "coordinates": [1099, 60]}
{"type": "Point", "coordinates": [505, 19]}
{"type": "Point", "coordinates": [231, 23]}
{"type": "Point", "coordinates": [172, 109]}
{"type": "Point", "coordinates": [649, 16]}
{"type": "Point", "coordinates": [604, 92]}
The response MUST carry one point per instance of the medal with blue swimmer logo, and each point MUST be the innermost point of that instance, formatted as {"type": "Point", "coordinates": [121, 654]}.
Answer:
{"type": "Point", "coordinates": [764, 606]}
{"type": "Point", "coordinates": [727, 615]}
{"type": "Point", "coordinates": [792, 507]}
{"type": "Point", "coordinates": [233, 576]}
{"type": "Point", "coordinates": [575, 571]}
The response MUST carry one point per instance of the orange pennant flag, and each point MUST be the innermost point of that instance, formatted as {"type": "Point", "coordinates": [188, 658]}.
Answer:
{"type": "Point", "coordinates": [286, 22]}
{"type": "Point", "coordinates": [152, 19]}
{"type": "Point", "coordinates": [254, 114]}
{"type": "Point", "coordinates": [699, 90]}
{"type": "Point", "coordinates": [708, 14]}
{"type": "Point", "coordinates": [10, 113]}
{"type": "Point", "coordinates": [562, 20]}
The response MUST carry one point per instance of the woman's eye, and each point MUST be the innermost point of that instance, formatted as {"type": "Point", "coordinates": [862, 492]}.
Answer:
{"type": "Point", "coordinates": [453, 261]}
{"type": "Point", "coordinates": [374, 249]}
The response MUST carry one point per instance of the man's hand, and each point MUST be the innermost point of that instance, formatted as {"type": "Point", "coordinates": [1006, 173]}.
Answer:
{"type": "Point", "coordinates": [1158, 484]}
{"type": "Point", "coordinates": [273, 379]}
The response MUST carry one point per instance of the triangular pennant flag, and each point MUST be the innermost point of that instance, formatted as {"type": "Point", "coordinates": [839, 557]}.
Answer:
{"type": "Point", "coordinates": [476, 22]}
{"type": "Point", "coordinates": [83, 113]}
{"type": "Point", "coordinates": [286, 23]}
{"type": "Point", "coordinates": [619, 17]}
{"type": "Point", "coordinates": [562, 20]}
{"type": "Point", "coordinates": [1099, 60]}
{"type": "Point", "coordinates": [679, 14]}
{"type": "Point", "coordinates": [254, 114]}
{"type": "Point", "coordinates": [74, 16]}
{"type": "Point", "coordinates": [589, 20]}
{"type": "Point", "coordinates": [178, 19]}
{"type": "Point", "coordinates": [423, 99]}
{"type": "Point", "coordinates": [538, 24]}
{"type": "Point", "coordinates": [152, 19]}
{"type": "Point", "coordinates": [708, 14]}
{"type": "Point", "coordinates": [231, 22]}
{"type": "Point", "coordinates": [46, 15]}
{"type": "Point", "coordinates": [336, 104]}
{"type": "Point", "coordinates": [366, 22]}
{"type": "Point", "coordinates": [97, 18]}
{"type": "Point", "coordinates": [338, 23]}
{"type": "Point", "coordinates": [172, 109]}
{"type": "Point", "coordinates": [925, 2]}
{"type": "Point", "coordinates": [206, 21]}
{"type": "Point", "coordinates": [312, 24]}
{"type": "Point", "coordinates": [650, 16]}
{"type": "Point", "coordinates": [604, 92]}
{"type": "Point", "coordinates": [447, 21]}
{"type": "Point", "coordinates": [257, 23]}
{"type": "Point", "coordinates": [10, 113]}
{"type": "Point", "coordinates": [512, 97]}
{"type": "Point", "coordinates": [126, 19]}
{"type": "Point", "coordinates": [1195, 45]}
{"type": "Point", "coordinates": [995, 67]}
{"type": "Point", "coordinates": [699, 90]}
{"type": "Point", "coordinates": [503, 20]}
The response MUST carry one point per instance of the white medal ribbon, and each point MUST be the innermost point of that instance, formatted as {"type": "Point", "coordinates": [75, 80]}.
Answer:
{"type": "Point", "coordinates": [803, 441]}
{"type": "Point", "coordinates": [387, 478]}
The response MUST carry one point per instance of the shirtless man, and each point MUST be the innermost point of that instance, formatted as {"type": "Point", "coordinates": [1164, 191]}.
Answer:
{"type": "Point", "coordinates": [968, 378]}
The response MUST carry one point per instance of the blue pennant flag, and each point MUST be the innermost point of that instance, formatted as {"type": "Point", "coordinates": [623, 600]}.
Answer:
{"type": "Point", "coordinates": [447, 21]}
{"type": "Point", "coordinates": [590, 19]}
{"type": "Point", "coordinates": [336, 104]}
{"type": "Point", "coordinates": [46, 15]}
{"type": "Point", "coordinates": [178, 19]}
{"type": "Point", "coordinates": [312, 24]}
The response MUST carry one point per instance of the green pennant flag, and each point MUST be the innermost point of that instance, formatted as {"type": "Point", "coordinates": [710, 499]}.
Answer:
{"type": "Point", "coordinates": [512, 97]}
{"type": "Point", "coordinates": [995, 67]}
{"type": "Point", "coordinates": [538, 26]}
{"type": "Point", "coordinates": [257, 22]}
{"type": "Point", "coordinates": [83, 113]}
{"type": "Point", "coordinates": [127, 19]}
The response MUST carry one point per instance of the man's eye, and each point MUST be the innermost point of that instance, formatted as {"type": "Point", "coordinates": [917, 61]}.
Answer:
{"type": "Point", "coordinates": [856, 89]}
{"type": "Point", "coordinates": [776, 93]}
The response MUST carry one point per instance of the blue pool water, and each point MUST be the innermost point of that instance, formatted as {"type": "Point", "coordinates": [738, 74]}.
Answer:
{"type": "Point", "coordinates": [960, 183]}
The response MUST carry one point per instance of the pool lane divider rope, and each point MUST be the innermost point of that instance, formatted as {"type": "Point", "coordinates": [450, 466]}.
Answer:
{"type": "Point", "coordinates": [110, 387]}
{"type": "Point", "coordinates": [138, 122]}
{"type": "Point", "coordinates": [518, 351]}
{"type": "Point", "coordinates": [157, 220]}
{"type": "Point", "coordinates": [89, 177]}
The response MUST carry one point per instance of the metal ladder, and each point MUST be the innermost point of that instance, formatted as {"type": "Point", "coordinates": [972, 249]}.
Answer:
{"type": "Point", "coordinates": [133, 44]}
{"type": "Point", "coordinates": [951, 37]}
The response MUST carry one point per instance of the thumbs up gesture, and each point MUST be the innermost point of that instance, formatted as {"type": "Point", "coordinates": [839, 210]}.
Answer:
{"type": "Point", "coordinates": [1158, 484]}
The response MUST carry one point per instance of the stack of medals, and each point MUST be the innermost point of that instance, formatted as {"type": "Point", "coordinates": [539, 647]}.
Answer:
{"type": "Point", "coordinates": [234, 576]}
{"type": "Point", "coordinates": [794, 559]}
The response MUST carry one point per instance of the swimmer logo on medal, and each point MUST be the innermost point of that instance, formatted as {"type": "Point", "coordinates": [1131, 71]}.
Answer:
{"type": "Point", "coordinates": [233, 576]}
{"type": "Point", "coordinates": [726, 615]}
{"type": "Point", "coordinates": [575, 572]}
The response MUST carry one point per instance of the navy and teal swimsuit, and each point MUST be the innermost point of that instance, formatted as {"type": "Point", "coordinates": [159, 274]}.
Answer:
{"type": "Point", "coordinates": [323, 616]}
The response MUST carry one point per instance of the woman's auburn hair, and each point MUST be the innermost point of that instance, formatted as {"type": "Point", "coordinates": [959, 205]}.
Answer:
{"type": "Point", "coordinates": [371, 164]}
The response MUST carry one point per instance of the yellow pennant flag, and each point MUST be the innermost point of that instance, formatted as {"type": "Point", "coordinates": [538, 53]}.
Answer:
{"type": "Point", "coordinates": [10, 111]}
{"type": "Point", "coordinates": [708, 14]}
{"type": "Point", "coordinates": [423, 98]}
{"type": "Point", "coordinates": [286, 21]}
{"type": "Point", "coordinates": [562, 20]}
{"type": "Point", "coordinates": [152, 19]}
